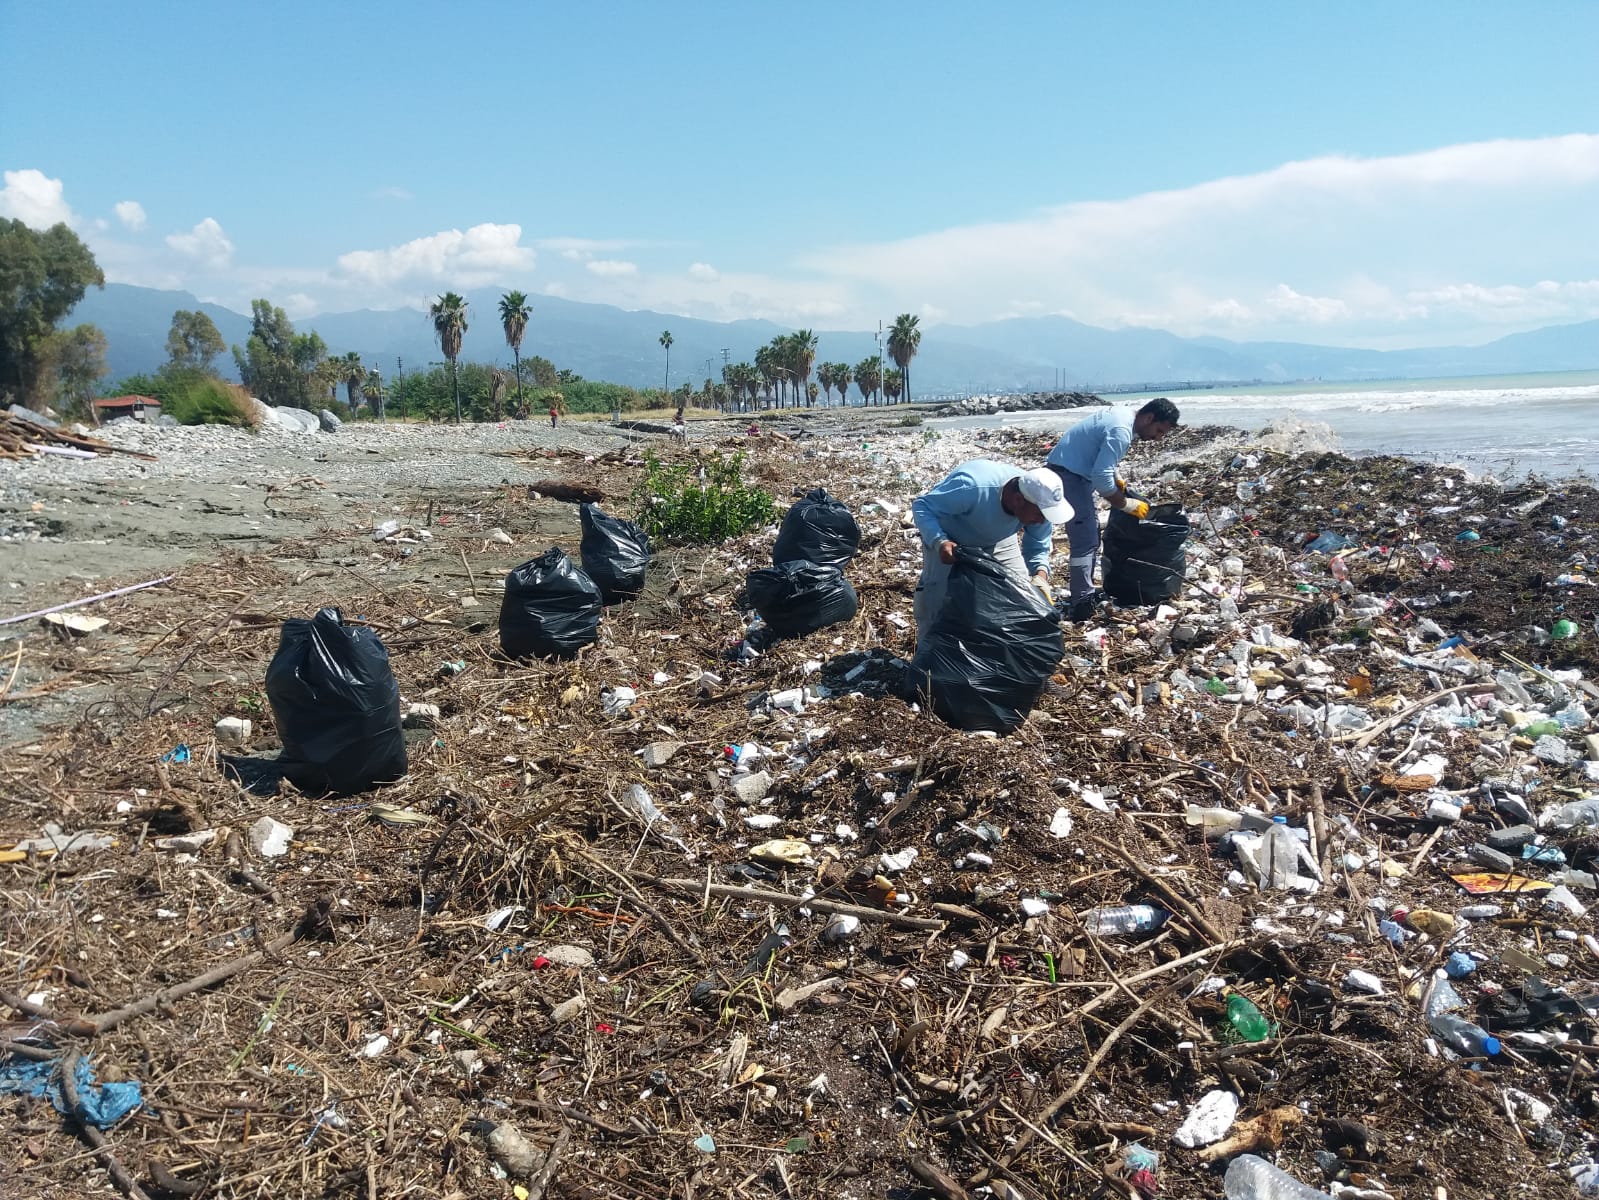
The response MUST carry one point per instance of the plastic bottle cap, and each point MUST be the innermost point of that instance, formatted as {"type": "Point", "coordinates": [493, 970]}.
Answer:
{"type": "Point", "coordinates": [1490, 1046]}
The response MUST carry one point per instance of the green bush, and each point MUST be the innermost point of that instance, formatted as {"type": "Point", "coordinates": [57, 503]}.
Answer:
{"type": "Point", "coordinates": [205, 400]}
{"type": "Point", "coordinates": [699, 504]}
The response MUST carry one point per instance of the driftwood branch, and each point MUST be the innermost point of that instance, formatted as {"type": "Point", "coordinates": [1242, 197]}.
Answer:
{"type": "Point", "coordinates": [696, 887]}
{"type": "Point", "coordinates": [126, 1184]}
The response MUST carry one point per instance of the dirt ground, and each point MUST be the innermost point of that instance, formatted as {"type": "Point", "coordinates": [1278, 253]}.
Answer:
{"type": "Point", "coordinates": [500, 940]}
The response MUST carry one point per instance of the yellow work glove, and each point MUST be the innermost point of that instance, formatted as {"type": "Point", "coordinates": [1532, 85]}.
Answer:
{"type": "Point", "coordinates": [1041, 581]}
{"type": "Point", "coordinates": [1137, 509]}
{"type": "Point", "coordinates": [1121, 484]}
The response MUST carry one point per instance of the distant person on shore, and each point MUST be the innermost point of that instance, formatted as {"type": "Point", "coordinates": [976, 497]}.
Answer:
{"type": "Point", "coordinates": [1085, 458]}
{"type": "Point", "coordinates": [555, 414]}
{"type": "Point", "coordinates": [679, 429]}
{"type": "Point", "coordinates": [985, 504]}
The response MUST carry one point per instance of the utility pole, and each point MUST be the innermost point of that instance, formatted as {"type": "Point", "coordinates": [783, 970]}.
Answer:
{"type": "Point", "coordinates": [399, 366]}
{"type": "Point", "coordinates": [880, 356]}
{"type": "Point", "coordinates": [726, 359]}
{"type": "Point", "coordinates": [382, 410]}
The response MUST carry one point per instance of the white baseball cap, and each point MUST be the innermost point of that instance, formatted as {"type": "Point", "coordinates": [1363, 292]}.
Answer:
{"type": "Point", "coordinates": [1042, 486]}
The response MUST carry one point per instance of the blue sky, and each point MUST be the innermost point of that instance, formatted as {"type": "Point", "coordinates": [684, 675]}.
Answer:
{"type": "Point", "coordinates": [1371, 174]}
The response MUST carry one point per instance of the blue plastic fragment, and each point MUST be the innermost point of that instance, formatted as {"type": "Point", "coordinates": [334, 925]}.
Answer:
{"type": "Point", "coordinates": [103, 1104]}
{"type": "Point", "coordinates": [178, 754]}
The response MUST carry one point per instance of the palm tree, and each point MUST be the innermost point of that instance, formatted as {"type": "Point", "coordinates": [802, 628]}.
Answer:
{"type": "Point", "coordinates": [893, 384]}
{"type": "Point", "coordinates": [904, 340]}
{"type": "Point", "coordinates": [841, 380]}
{"type": "Point", "coordinates": [514, 314]}
{"type": "Point", "coordinates": [666, 344]}
{"type": "Point", "coordinates": [868, 377]}
{"type": "Point", "coordinates": [354, 378]}
{"type": "Point", "coordinates": [803, 343]}
{"type": "Point", "coordinates": [449, 324]}
{"type": "Point", "coordinates": [824, 376]}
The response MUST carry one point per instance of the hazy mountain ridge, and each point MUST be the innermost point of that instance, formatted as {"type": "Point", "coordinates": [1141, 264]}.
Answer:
{"type": "Point", "coordinates": [600, 341]}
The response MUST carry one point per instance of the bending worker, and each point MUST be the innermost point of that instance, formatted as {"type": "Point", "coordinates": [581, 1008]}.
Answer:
{"type": "Point", "coordinates": [1085, 459]}
{"type": "Point", "coordinates": [985, 504]}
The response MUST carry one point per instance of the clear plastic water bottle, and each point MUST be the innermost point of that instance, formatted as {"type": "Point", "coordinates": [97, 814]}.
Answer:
{"type": "Point", "coordinates": [1123, 919]}
{"type": "Point", "coordinates": [1251, 1177]}
{"type": "Point", "coordinates": [1459, 1034]}
{"type": "Point", "coordinates": [1279, 855]}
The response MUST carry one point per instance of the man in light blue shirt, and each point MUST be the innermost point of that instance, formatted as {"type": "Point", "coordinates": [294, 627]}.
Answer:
{"type": "Point", "coordinates": [985, 504]}
{"type": "Point", "coordinates": [1085, 458]}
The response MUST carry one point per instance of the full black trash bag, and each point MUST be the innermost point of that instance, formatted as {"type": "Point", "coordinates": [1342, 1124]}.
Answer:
{"type": "Point", "coordinates": [817, 529]}
{"type": "Point", "coordinates": [337, 708]}
{"type": "Point", "coordinates": [1143, 561]}
{"type": "Point", "coordinates": [615, 554]}
{"type": "Point", "coordinates": [798, 597]}
{"type": "Point", "coordinates": [551, 608]}
{"type": "Point", "coordinates": [991, 648]}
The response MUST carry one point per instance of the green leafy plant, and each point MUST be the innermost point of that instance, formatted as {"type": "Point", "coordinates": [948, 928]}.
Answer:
{"type": "Point", "coordinates": [196, 399]}
{"type": "Point", "coordinates": [697, 504]}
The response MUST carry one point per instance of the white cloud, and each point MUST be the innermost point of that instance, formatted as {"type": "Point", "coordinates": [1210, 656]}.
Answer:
{"type": "Point", "coordinates": [35, 199]}
{"type": "Point", "coordinates": [1361, 237]}
{"type": "Point", "coordinates": [555, 288]}
{"type": "Point", "coordinates": [1314, 310]}
{"type": "Point", "coordinates": [130, 213]}
{"type": "Point", "coordinates": [205, 243]}
{"type": "Point", "coordinates": [582, 249]}
{"type": "Point", "coordinates": [481, 255]}
{"type": "Point", "coordinates": [704, 272]}
{"type": "Point", "coordinates": [611, 268]}
{"type": "Point", "coordinates": [391, 193]}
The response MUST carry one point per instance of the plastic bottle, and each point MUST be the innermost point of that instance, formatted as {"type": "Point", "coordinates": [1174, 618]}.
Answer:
{"type": "Point", "coordinates": [1571, 816]}
{"type": "Point", "coordinates": [1563, 629]}
{"type": "Point", "coordinates": [1250, 1177]}
{"type": "Point", "coordinates": [1247, 1021]}
{"type": "Point", "coordinates": [1540, 729]}
{"type": "Point", "coordinates": [1459, 1034]}
{"type": "Point", "coordinates": [1214, 821]}
{"type": "Point", "coordinates": [1279, 855]}
{"type": "Point", "coordinates": [1428, 552]}
{"type": "Point", "coordinates": [1123, 919]}
{"type": "Point", "coordinates": [1340, 568]}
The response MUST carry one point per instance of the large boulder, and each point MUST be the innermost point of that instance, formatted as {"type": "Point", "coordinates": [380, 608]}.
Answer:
{"type": "Point", "coordinates": [329, 421]}
{"type": "Point", "coordinates": [37, 418]}
{"type": "Point", "coordinates": [295, 420]}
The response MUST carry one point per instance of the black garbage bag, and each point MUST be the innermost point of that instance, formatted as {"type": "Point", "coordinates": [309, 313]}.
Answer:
{"type": "Point", "coordinates": [337, 708]}
{"type": "Point", "coordinates": [991, 649]}
{"type": "Point", "coordinates": [551, 608]}
{"type": "Point", "coordinates": [1143, 561]}
{"type": "Point", "coordinates": [817, 529]}
{"type": "Point", "coordinates": [615, 554]}
{"type": "Point", "coordinates": [799, 597]}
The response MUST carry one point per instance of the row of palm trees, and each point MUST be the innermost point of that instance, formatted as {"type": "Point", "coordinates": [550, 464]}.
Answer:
{"type": "Point", "coordinates": [782, 367]}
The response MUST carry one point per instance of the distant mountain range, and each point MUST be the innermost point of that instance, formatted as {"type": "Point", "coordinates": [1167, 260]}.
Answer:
{"type": "Point", "coordinates": [599, 341]}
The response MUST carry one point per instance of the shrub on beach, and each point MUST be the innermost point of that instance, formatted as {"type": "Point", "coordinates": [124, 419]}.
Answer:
{"type": "Point", "coordinates": [207, 400]}
{"type": "Point", "coordinates": [697, 504]}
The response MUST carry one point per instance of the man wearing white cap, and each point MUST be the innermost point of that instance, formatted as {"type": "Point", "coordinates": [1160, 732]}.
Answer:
{"type": "Point", "coordinates": [986, 504]}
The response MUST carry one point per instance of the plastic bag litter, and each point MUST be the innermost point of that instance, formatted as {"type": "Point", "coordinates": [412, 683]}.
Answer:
{"type": "Point", "coordinates": [1144, 560]}
{"type": "Point", "coordinates": [817, 529]}
{"type": "Point", "coordinates": [991, 648]}
{"type": "Point", "coordinates": [615, 554]}
{"type": "Point", "coordinates": [551, 608]}
{"type": "Point", "coordinates": [799, 597]}
{"type": "Point", "coordinates": [337, 707]}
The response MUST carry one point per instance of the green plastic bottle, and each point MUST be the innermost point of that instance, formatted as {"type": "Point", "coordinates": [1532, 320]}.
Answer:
{"type": "Point", "coordinates": [1247, 1021]}
{"type": "Point", "coordinates": [1563, 629]}
{"type": "Point", "coordinates": [1540, 729]}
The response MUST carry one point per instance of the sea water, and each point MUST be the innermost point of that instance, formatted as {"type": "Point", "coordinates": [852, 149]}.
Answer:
{"type": "Point", "coordinates": [1505, 426]}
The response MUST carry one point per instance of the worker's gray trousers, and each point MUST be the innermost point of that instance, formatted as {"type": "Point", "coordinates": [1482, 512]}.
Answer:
{"type": "Point", "coordinates": [934, 582]}
{"type": "Point", "coordinates": [1082, 531]}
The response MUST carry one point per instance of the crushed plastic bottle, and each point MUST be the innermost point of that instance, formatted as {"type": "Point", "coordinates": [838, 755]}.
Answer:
{"type": "Point", "coordinates": [1455, 1032]}
{"type": "Point", "coordinates": [1250, 1177]}
{"type": "Point", "coordinates": [1123, 919]}
{"type": "Point", "coordinates": [1247, 1021]}
{"type": "Point", "coordinates": [1576, 815]}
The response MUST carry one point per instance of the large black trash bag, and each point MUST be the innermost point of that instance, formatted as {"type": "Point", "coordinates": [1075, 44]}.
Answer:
{"type": "Point", "coordinates": [337, 708]}
{"type": "Point", "coordinates": [817, 529]}
{"type": "Point", "coordinates": [615, 554]}
{"type": "Point", "coordinates": [1143, 561]}
{"type": "Point", "coordinates": [551, 608]}
{"type": "Point", "coordinates": [991, 648]}
{"type": "Point", "coordinates": [798, 597]}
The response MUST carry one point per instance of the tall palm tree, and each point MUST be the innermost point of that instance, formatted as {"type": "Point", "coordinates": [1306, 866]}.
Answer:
{"type": "Point", "coordinates": [514, 314]}
{"type": "Point", "coordinates": [449, 324]}
{"type": "Point", "coordinates": [841, 380]}
{"type": "Point", "coordinates": [354, 378]}
{"type": "Point", "coordinates": [904, 340]}
{"type": "Point", "coordinates": [765, 368]}
{"type": "Point", "coordinates": [868, 377]}
{"type": "Point", "coordinates": [803, 344]}
{"type": "Point", "coordinates": [666, 344]}
{"type": "Point", "coordinates": [824, 376]}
